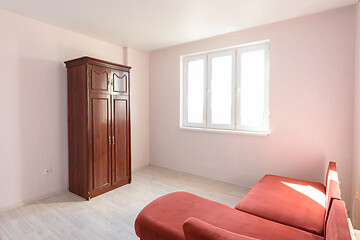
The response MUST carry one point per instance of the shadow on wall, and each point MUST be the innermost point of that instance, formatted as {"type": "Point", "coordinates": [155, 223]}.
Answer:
{"type": "Point", "coordinates": [42, 127]}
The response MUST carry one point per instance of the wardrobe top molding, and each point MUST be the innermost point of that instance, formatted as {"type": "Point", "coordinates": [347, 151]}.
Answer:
{"type": "Point", "coordinates": [94, 61]}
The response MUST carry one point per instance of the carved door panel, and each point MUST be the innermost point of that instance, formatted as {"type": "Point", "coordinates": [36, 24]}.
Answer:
{"type": "Point", "coordinates": [99, 79]}
{"type": "Point", "coordinates": [100, 132]}
{"type": "Point", "coordinates": [120, 128]}
{"type": "Point", "coordinates": [120, 82]}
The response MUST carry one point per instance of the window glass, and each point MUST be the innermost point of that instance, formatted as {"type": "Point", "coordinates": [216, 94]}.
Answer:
{"type": "Point", "coordinates": [252, 88]}
{"type": "Point", "coordinates": [221, 90]}
{"type": "Point", "coordinates": [195, 91]}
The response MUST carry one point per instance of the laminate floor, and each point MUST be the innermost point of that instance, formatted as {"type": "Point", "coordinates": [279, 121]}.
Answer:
{"type": "Point", "coordinates": [111, 215]}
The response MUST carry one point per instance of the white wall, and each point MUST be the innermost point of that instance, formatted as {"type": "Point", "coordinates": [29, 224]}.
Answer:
{"type": "Point", "coordinates": [33, 104]}
{"type": "Point", "coordinates": [356, 162]}
{"type": "Point", "coordinates": [311, 106]}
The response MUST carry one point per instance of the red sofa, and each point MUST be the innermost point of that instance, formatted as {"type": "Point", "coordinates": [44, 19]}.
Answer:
{"type": "Point", "coordinates": [275, 208]}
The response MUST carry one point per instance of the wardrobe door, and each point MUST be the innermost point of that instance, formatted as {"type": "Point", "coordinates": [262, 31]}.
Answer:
{"type": "Point", "coordinates": [120, 82]}
{"type": "Point", "coordinates": [100, 148]}
{"type": "Point", "coordinates": [99, 79]}
{"type": "Point", "coordinates": [120, 124]}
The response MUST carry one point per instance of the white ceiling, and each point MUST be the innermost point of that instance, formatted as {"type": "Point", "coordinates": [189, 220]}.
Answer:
{"type": "Point", "coordinates": [154, 24]}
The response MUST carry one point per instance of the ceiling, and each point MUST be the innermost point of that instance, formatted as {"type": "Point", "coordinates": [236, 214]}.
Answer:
{"type": "Point", "coordinates": [154, 24]}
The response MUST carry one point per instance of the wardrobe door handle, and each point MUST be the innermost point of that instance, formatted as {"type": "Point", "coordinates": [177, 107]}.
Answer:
{"type": "Point", "coordinates": [109, 140]}
{"type": "Point", "coordinates": [113, 140]}
{"type": "Point", "coordinates": [110, 81]}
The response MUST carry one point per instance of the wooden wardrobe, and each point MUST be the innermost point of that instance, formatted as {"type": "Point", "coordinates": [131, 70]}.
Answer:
{"type": "Point", "coordinates": [98, 126]}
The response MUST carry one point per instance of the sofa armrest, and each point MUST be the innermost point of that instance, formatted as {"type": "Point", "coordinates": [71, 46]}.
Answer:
{"type": "Point", "coordinates": [196, 229]}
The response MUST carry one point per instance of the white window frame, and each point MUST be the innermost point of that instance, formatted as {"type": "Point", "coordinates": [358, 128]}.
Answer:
{"type": "Point", "coordinates": [235, 126]}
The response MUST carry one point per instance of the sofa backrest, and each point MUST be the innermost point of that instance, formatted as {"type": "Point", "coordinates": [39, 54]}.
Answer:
{"type": "Point", "coordinates": [337, 226]}
{"type": "Point", "coordinates": [330, 170]}
{"type": "Point", "coordinates": [332, 188]}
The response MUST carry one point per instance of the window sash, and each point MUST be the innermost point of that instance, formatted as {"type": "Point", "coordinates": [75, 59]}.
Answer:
{"type": "Point", "coordinates": [209, 90]}
{"type": "Point", "coordinates": [265, 126]}
{"type": "Point", "coordinates": [185, 92]}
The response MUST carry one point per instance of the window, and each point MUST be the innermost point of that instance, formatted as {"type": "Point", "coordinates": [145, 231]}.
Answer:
{"type": "Point", "coordinates": [227, 89]}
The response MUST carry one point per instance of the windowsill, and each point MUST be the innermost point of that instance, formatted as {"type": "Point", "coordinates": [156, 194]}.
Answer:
{"type": "Point", "coordinates": [225, 131]}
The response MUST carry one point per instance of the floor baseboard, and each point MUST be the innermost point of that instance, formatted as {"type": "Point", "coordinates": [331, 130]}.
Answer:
{"type": "Point", "coordinates": [31, 200]}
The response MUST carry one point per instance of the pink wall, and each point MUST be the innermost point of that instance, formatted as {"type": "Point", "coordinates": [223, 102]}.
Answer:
{"type": "Point", "coordinates": [33, 104]}
{"type": "Point", "coordinates": [356, 162]}
{"type": "Point", "coordinates": [311, 106]}
{"type": "Point", "coordinates": [139, 61]}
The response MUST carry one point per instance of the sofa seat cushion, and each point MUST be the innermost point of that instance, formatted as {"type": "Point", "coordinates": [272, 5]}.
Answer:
{"type": "Point", "coordinates": [163, 219]}
{"type": "Point", "coordinates": [292, 202]}
{"type": "Point", "coordinates": [196, 229]}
